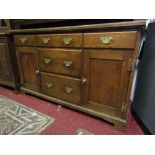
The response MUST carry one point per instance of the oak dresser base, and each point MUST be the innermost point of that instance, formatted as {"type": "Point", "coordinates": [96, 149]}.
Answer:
{"type": "Point", "coordinates": [89, 68]}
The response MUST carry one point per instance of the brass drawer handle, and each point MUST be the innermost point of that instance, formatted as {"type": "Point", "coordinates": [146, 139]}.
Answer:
{"type": "Point", "coordinates": [67, 41]}
{"type": "Point", "coordinates": [49, 85]}
{"type": "Point", "coordinates": [23, 40]}
{"type": "Point", "coordinates": [37, 71]}
{"type": "Point", "coordinates": [47, 61]}
{"type": "Point", "coordinates": [68, 63]}
{"type": "Point", "coordinates": [106, 40]}
{"type": "Point", "coordinates": [46, 40]}
{"type": "Point", "coordinates": [68, 90]}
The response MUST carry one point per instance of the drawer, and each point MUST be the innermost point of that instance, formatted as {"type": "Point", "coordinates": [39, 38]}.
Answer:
{"type": "Point", "coordinates": [61, 61]}
{"type": "Point", "coordinates": [60, 40]}
{"type": "Point", "coordinates": [64, 88]}
{"type": "Point", "coordinates": [28, 40]}
{"type": "Point", "coordinates": [124, 40]}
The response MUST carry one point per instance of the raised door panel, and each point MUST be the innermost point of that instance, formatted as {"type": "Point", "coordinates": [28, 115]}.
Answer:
{"type": "Point", "coordinates": [27, 62]}
{"type": "Point", "coordinates": [107, 80]}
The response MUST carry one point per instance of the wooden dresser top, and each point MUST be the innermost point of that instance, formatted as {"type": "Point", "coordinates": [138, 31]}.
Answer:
{"type": "Point", "coordinates": [106, 26]}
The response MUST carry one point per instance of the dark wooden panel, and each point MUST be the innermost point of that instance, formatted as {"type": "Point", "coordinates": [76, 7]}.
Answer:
{"type": "Point", "coordinates": [7, 76]}
{"type": "Point", "coordinates": [5, 68]}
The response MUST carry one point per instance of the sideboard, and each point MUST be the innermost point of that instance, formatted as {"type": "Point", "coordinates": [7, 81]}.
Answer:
{"type": "Point", "coordinates": [89, 68]}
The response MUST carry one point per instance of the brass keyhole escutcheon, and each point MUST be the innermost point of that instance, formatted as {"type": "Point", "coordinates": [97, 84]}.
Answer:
{"type": "Point", "coordinates": [37, 72]}
{"type": "Point", "coordinates": [83, 80]}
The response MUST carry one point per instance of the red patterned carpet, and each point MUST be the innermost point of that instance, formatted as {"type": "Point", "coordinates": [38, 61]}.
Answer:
{"type": "Point", "coordinates": [67, 121]}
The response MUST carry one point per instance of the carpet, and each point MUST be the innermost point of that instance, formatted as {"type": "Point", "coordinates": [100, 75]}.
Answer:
{"type": "Point", "coordinates": [17, 119]}
{"type": "Point", "coordinates": [68, 121]}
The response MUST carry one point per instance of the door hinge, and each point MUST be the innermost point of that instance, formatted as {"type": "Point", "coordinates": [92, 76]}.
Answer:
{"type": "Point", "coordinates": [131, 65]}
{"type": "Point", "coordinates": [124, 107]}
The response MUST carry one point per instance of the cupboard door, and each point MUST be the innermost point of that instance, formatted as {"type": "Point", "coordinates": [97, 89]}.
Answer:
{"type": "Point", "coordinates": [107, 80]}
{"type": "Point", "coordinates": [28, 67]}
{"type": "Point", "coordinates": [5, 64]}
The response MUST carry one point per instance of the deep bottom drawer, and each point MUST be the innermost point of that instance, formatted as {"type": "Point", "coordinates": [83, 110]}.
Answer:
{"type": "Point", "coordinates": [61, 87]}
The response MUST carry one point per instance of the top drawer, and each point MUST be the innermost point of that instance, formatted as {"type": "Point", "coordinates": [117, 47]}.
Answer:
{"type": "Point", "coordinates": [60, 40]}
{"type": "Point", "coordinates": [110, 40]}
{"type": "Point", "coordinates": [28, 40]}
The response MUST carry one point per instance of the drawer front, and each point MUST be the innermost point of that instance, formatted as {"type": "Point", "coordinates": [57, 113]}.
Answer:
{"type": "Point", "coordinates": [61, 61]}
{"type": "Point", "coordinates": [64, 88]}
{"type": "Point", "coordinates": [25, 40]}
{"type": "Point", "coordinates": [110, 40]}
{"type": "Point", "coordinates": [60, 40]}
